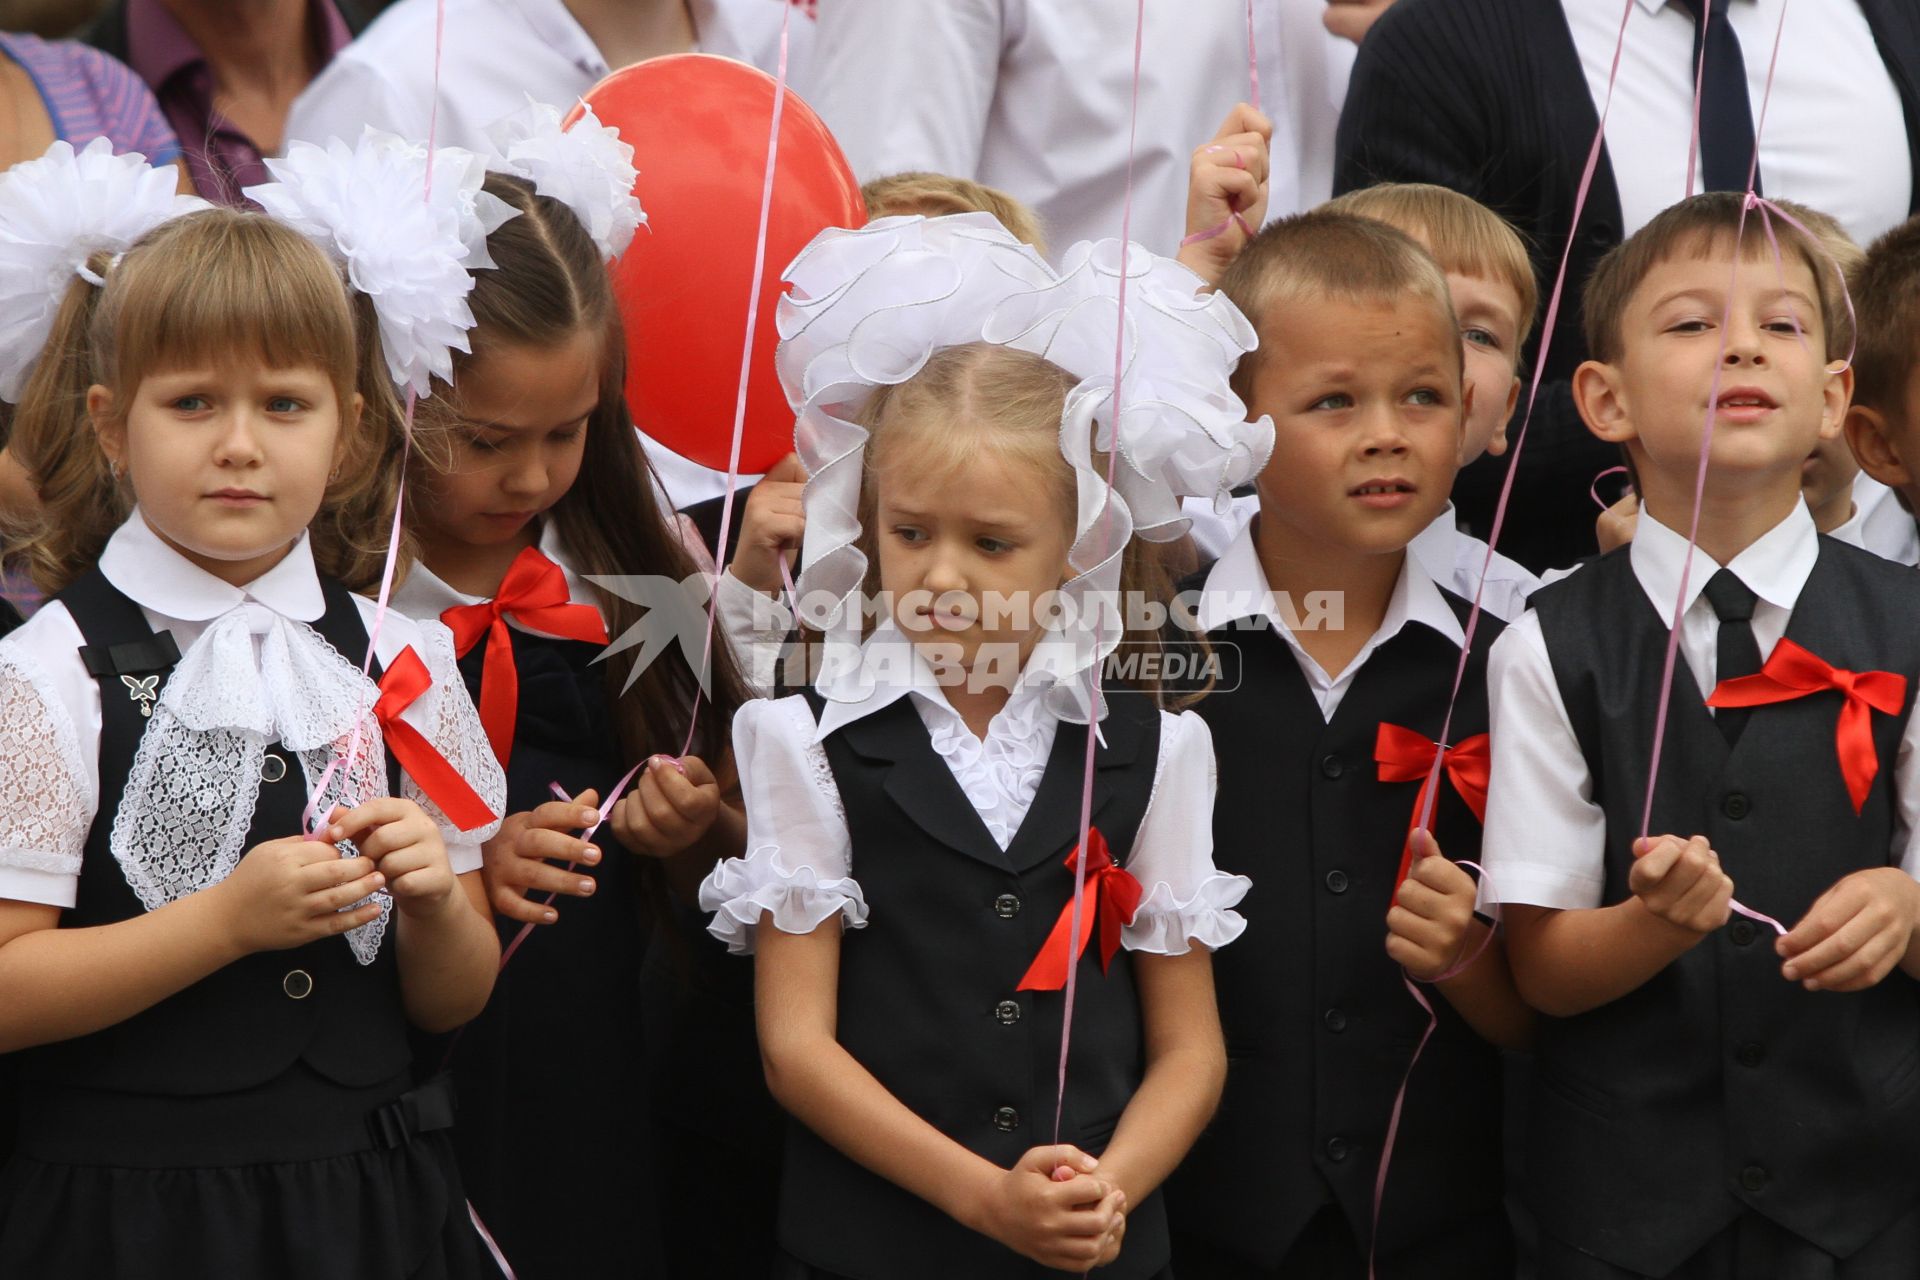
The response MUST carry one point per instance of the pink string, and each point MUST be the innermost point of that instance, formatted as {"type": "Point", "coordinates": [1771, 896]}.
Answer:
{"type": "Point", "coordinates": [1593, 490]}
{"type": "Point", "coordinates": [606, 807]}
{"type": "Point", "coordinates": [746, 367]}
{"type": "Point", "coordinates": [1425, 817]}
{"type": "Point", "coordinates": [1093, 703]}
{"type": "Point", "coordinates": [1253, 61]}
{"type": "Point", "coordinates": [486, 1238]}
{"type": "Point", "coordinates": [1459, 967]}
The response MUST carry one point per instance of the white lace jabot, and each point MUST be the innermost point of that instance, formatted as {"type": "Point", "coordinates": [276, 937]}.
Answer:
{"type": "Point", "coordinates": [252, 672]}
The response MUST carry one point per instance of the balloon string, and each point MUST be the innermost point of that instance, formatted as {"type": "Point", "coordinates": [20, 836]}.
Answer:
{"type": "Point", "coordinates": [746, 373]}
{"type": "Point", "coordinates": [1106, 515]}
{"type": "Point", "coordinates": [1253, 61]}
{"type": "Point", "coordinates": [1432, 786]}
{"type": "Point", "coordinates": [1233, 218]}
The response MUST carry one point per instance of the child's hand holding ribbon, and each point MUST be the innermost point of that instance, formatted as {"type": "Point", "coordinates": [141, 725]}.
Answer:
{"type": "Point", "coordinates": [1680, 881]}
{"type": "Point", "coordinates": [1855, 934]}
{"type": "Point", "coordinates": [519, 860]}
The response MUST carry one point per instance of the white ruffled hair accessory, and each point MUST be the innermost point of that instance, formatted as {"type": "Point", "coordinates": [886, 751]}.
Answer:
{"type": "Point", "coordinates": [586, 167]}
{"type": "Point", "coordinates": [55, 213]}
{"type": "Point", "coordinates": [868, 308]}
{"type": "Point", "coordinates": [411, 246]}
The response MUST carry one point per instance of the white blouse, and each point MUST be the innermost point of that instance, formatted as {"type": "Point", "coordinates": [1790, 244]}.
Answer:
{"type": "Point", "coordinates": [799, 864]}
{"type": "Point", "coordinates": [180, 823]}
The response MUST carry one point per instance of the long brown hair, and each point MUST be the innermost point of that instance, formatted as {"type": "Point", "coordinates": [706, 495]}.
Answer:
{"type": "Point", "coordinates": [201, 288]}
{"type": "Point", "coordinates": [547, 284]}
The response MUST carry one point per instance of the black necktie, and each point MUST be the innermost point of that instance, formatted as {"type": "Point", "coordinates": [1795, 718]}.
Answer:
{"type": "Point", "coordinates": [1726, 116]}
{"type": "Point", "coordinates": [1737, 652]}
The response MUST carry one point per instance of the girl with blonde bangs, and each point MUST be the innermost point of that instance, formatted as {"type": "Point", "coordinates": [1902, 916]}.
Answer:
{"type": "Point", "coordinates": [209, 998]}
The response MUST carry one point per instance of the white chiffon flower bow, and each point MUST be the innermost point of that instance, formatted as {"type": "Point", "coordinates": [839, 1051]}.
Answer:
{"type": "Point", "coordinates": [586, 167]}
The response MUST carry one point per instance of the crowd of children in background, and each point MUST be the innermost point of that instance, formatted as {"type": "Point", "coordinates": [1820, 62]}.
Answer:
{"type": "Point", "coordinates": [1455, 925]}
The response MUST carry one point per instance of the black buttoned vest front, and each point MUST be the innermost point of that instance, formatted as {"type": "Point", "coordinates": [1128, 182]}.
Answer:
{"type": "Point", "coordinates": [247, 1023]}
{"type": "Point", "coordinates": [1320, 1026]}
{"type": "Point", "coordinates": [1718, 1085]}
{"type": "Point", "coordinates": [927, 991]}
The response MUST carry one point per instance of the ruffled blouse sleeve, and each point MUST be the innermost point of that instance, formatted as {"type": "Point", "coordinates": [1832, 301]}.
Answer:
{"type": "Point", "coordinates": [799, 853]}
{"type": "Point", "coordinates": [446, 715]}
{"type": "Point", "coordinates": [48, 788]}
{"type": "Point", "coordinates": [757, 626]}
{"type": "Point", "coordinates": [1185, 899]}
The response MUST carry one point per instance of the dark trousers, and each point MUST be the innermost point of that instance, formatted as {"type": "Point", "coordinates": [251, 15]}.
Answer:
{"type": "Point", "coordinates": [1753, 1248]}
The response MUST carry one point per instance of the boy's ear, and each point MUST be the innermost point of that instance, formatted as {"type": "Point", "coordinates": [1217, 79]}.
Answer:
{"type": "Point", "coordinates": [1874, 446]}
{"type": "Point", "coordinates": [1837, 394]}
{"type": "Point", "coordinates": [109, 428]}
{"type": "Point", "coordinates": [1601, 400]}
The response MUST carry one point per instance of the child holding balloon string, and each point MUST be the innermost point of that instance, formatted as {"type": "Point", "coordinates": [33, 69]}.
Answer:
{"type": "Point", "coordinates": [539, 537]}
{"type": "Point", "coordinates": [1333, 719]}
{"type": "Point", "coordinates": [910, 834]}
{"type": "Point", "coordinates": [210, 1007]}
{"type": "Point", "coordinates": [1709, 1099]}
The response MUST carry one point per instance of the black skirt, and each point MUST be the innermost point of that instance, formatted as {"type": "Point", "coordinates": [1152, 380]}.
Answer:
{"type": "Point", "coordinates": [298, 1179]}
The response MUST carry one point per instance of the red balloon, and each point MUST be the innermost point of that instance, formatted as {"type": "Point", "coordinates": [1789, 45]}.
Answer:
{"type": "Point", "coordinates": [698, 126]}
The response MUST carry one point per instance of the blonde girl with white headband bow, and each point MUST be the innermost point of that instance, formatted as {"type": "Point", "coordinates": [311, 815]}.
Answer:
{"type": "Point", "coordinates": [913, 817]}
{"type": "Point", "coordinates": [210, 1009]}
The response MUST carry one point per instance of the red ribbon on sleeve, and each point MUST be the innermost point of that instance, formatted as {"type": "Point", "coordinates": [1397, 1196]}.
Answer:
{"type": "Point", "coordinates": [1792, 672]}
{"type": "Point", "coordinates": [405, 679]}
{"type": "Point", "coordinates": [1404, 756]}
{"type": "Point", "coordinates": [534, 593]}
{"type": "Point", "coordinates": [1116, 896]}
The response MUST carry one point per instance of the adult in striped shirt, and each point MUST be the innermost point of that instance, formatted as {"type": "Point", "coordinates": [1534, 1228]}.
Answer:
{"type": "Point", "coordinates": [52, 90]}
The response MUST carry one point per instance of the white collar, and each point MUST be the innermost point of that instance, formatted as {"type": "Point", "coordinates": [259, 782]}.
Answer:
{"type": "Point", "coordinates": [1237, 588]}
{"type": "Point", "coordinates": [562, 32]}
{"type": "Point", "coordinates": [1433, 546]}
{"type": "Point", "coordinates": [891, 667]}
{"type": "Point", "coordinates": [1774, 566]}
{"type": "Point", "coordinates": [425, 594]}
{"type": "Point", "coordinates": [158, 578]}
{"type": "Point", "coordinates": [1655, 6]}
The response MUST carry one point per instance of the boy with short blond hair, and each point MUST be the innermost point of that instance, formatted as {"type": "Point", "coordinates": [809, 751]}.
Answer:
{"type": "Point", "coordinates": [1324, 736]}
{"type": "Point", "coordinates": [1708, 1101]}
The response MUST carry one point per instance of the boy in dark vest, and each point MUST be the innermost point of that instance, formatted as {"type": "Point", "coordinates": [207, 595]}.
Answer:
{"type": "Point", "coordinates": [1337, 660]}
{"type": "Point", "coordinates": [1711, 1100]}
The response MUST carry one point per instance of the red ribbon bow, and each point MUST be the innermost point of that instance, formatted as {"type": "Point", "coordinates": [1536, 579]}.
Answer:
{"type": "Point", "coordinates": [1792, 672]}
{"type": "Point", "coordinates": [534, 592]}
{"type": "Point", "coordinates": [1404, 756]}
{"type": "Point", "coordinates": [405, 679]}
{"type": "Point", "coordinates": [1116, 897]}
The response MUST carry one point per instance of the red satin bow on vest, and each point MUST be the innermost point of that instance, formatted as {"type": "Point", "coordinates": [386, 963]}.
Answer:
{"type": "Point", "coordinates": [534, 592]}
{"type": "Point", "coordinates": [1116, 896]}
{"type": "Point", "coordinates": [1792, 672]}
{"type": "Point", "coordinates": [405, 679]}
{"type": "Point", "coordinates": [1405, 756]}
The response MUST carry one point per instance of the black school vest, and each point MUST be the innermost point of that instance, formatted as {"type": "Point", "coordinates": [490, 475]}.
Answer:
{"type": "Point", "coordinates": [1718, 1085]}
{"type": "Point", "coordinates": [927, 998]}
{"type": "Point", "coordinates": [249, 1022]}
{"type": "Point", "coordinates": [1319, 1026]}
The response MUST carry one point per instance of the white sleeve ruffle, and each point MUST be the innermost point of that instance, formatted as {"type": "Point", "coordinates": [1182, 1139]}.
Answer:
{"type": "Point", "coordinates": [1185, 898]}
{"type": "Point", "coordinates": [446, 715]}
{"type": "Point", "coordinates": [800, 860]}
{"type": "Point", "coordinates": [48, 788]}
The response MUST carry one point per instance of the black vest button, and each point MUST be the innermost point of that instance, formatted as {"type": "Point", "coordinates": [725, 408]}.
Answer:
{"type": "Point", "coordinates": [1336, 1021]}
{"type": "Point", "coordinates": [1331, 766]}
{"type": "Point", "coordinates": [1754, 1178]}
{"type": "Point", "coordinates": [1337, 882]}
{"type": "Point", "coordinates": [1741, 931]}
{"type": "Point", "coordinates": [1750, 1054]}
{"type": "Point", "coordinates": [272, 767]}
{"type": "Point", "coordinates": [1337, 1149]}
{"type": "Point", "coordinates": [1006, 906]}
{"type": "Point", "coordinates": [1006, 1119]}
{"type": "Point", "coordinates": [1736, 805]}
{"type": "Point", "coordinates": [298, 984]}
{"type": "Point", "coordinates": [1008, 1012]}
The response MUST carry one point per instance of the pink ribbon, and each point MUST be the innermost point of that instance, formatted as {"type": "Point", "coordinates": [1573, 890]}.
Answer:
{"type": "Point", "coordinates": [1093, 703]}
